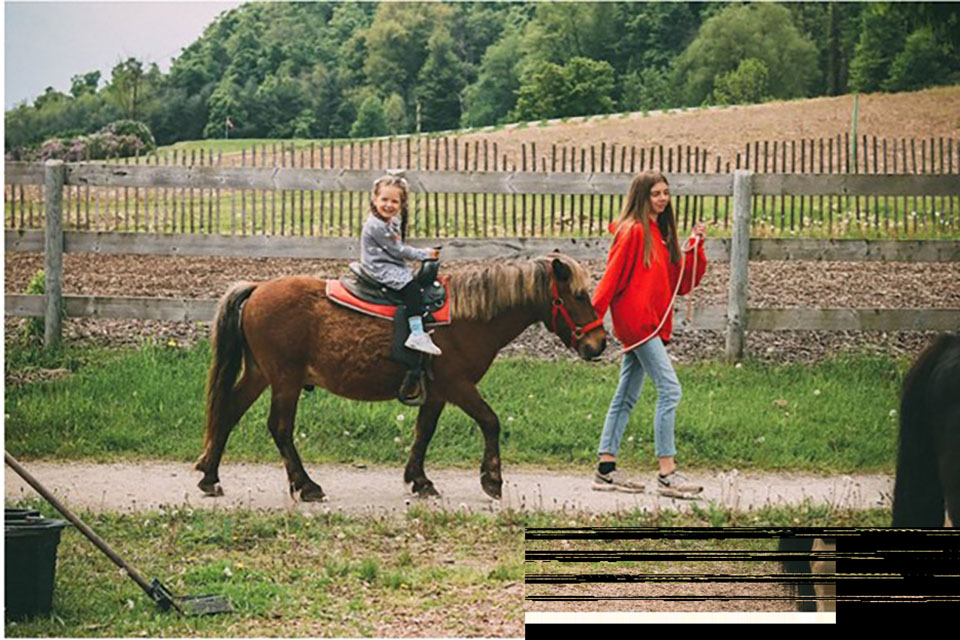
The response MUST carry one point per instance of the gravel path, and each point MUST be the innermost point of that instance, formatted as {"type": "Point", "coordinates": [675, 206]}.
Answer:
{"type": "Point", "coordinates": [150, 485]}
{"type": "Point", "coordinates": [772, 284]}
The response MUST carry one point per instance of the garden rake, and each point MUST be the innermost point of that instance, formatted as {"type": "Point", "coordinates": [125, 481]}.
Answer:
{"type": "Point", "coordinates": [186, 605]}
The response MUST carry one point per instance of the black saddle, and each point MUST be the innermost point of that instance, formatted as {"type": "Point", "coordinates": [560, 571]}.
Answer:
{"type": "Point", "coordinates": [366, 288]}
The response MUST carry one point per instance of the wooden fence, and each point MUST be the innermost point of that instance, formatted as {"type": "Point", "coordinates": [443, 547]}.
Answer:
{"type": "Point", "coordinates": [742, 188]}
{"type": "Point", "coordinates": [291, 211]}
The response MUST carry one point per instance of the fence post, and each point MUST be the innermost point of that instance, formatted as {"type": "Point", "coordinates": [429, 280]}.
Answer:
{"type": "Point", "coordinates": [739, 256]}
{"type": "Point", "coordinates": [54, 177]}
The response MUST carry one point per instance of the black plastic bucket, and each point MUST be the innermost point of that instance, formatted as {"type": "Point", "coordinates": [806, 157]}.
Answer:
{"type": "Point", "coordinates": [30, 560]}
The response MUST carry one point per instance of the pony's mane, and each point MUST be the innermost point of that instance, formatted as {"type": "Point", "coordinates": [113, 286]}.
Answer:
{"type": "Point", "coordinates": [483, 292]}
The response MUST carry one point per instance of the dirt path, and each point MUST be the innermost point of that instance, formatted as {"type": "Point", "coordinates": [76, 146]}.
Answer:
{"type": "Point", "coordinates": [139, 486]}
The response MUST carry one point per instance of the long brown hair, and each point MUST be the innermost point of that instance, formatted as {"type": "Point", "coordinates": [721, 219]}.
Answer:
{"type": "Point", "coordinates": [637, 209]}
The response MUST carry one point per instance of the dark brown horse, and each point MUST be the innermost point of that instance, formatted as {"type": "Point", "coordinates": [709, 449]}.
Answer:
{"type": "Point", "coordinates": [928, 457]}
{"type": "Point", "coordinates": [286, 334]}
{"type": "Point", "coordinates": [928, 460]}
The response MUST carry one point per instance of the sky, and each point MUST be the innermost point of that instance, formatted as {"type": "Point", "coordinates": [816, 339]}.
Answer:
{"type": "Point", "coordinates": [47, 43]}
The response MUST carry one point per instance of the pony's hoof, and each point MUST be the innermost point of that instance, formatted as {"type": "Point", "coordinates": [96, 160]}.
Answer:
{"type": "Point", "coordinates": [492, 487]}
{"type": "Point", "coordinates": [211, 489]}
{"type": "Point", "coordinates": [312, 493]}
{"type": "Point", "coordinates": [425, 490]}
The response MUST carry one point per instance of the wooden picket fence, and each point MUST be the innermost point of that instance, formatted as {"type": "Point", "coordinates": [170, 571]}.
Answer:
{"type": "Point", "coordinates": [446, 214]}
{"type": "Point", "coordinates": [742, 187]}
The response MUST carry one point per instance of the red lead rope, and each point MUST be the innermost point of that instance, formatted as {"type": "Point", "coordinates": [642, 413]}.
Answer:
{"type": "Point", "coordinates": [576, 332]}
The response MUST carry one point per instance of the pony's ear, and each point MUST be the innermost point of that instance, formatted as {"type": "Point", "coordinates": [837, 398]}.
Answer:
{"type": "Point", "coordinates": [561, 270]}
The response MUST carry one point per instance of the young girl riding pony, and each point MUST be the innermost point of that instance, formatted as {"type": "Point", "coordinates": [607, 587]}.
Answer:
{"type": "Point", "coordinates": [384, 255]}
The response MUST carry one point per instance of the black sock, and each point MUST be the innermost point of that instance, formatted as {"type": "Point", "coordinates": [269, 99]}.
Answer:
{"type": "Point", "coordinates": [607, 467]}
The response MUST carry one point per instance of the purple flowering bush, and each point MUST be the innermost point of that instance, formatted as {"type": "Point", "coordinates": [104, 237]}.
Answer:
{"type": "Point", "coordinates": [118, 139]}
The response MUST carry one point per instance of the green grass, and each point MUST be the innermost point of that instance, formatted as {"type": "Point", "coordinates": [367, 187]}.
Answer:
{"type": "Point", "coordinates": [835, 416]}
{"type": "Point", "coordinates": [325, 574]}
{"type": "Point", "coordinates": [288, 574]}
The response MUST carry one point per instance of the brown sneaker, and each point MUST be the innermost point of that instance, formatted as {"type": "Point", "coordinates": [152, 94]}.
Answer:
{"type": "Point", "coordinates": [613, 481]}
{"type": "Point", "coordinates": [676, 485]}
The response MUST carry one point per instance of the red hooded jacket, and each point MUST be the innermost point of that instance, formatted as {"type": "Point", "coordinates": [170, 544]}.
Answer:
{"type": "Point", "coordinates": [639, 296]}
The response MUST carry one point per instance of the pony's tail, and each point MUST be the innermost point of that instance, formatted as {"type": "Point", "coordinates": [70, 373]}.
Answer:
{"type": "Point", "coordinates": [918, 499]}
{"type": "Point", "coordinates": [227, 354]}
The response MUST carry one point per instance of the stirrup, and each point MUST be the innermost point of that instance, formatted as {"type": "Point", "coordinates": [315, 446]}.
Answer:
{"type": "Point", "coordinates": [413, 389]}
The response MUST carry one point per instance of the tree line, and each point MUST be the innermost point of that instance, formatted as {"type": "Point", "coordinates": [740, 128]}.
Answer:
{"type": "Point", "coordinates": [336, 70]}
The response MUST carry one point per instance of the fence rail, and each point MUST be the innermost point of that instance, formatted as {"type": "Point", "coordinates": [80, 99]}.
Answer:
{"type": "Point", "coordinates": [735, 319]}
{"type": "Point", "coordinates": [591, 248]}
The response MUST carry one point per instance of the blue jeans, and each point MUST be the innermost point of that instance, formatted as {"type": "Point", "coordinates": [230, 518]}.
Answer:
{"type": "Point", "coordinates": [651, 359]}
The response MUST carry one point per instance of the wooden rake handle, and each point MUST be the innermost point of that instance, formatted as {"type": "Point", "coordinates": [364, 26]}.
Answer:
{"type": "Point", "coordinates": [78, 523]}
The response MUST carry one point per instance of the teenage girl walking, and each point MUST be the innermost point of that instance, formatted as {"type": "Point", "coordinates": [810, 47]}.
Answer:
{"type": "Point", "coordinates": [642, 276]}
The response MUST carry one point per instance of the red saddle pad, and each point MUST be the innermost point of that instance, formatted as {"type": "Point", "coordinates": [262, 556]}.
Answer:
{"type": "Point", "coordinates": [339, 295]}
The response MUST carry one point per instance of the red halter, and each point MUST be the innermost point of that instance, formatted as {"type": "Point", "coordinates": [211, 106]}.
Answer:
{"type": "Point", "coordinates": [576, 332]}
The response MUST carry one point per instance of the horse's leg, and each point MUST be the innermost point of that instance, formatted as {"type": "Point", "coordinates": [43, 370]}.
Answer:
{"type": "Point", "coordinates": [949, 466]}
{"type": "Point", "coordinates": [467, 397]}
{"type": "Point", "coordinates": [426, 426]}
{"type": "Point", "coordinates": [246, 392]}
{"type": "Point", "coordinates": [283, 411]}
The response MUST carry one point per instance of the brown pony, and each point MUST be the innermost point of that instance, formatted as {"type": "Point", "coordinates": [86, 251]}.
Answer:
{"type": "Point", "coordinates": [286, 334]}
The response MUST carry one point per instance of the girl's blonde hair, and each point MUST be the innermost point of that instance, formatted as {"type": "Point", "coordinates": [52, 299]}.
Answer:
{"type": "Point", "coordinates": [391, 180]}
{"type": "Point", "coordinates": [637, 208]}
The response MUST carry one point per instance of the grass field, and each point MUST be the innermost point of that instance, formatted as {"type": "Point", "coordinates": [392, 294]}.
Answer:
{"type": "Point", "coordinates": [420, 571]}
{"type": "Point", "coordinates": [426, 573]}
{"type": "Point", "coordinates": [835, 416]}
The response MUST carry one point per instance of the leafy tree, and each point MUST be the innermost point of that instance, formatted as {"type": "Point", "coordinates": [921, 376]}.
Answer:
{"type": "Point", "coordinates": [583, 86]}
{"type": "Point", "coordinates": [226, 102]}
{"type": "Point", "coordinates": [646, 90]}
{"type": "Point", "coordinates": [746, 85]}
{"type": "Point", "coordinates": [834, 28]}
{"type": "Point", "coordinates": [370, 120]}
{"type": "Point", "coordinates": [493, 95]}
{"type": "Point", "coordinates": [652, 34]}
{"type": "Point", "coordinates": [882, 32]}
{"type": "Point", "coordinates": [762, 31]}
{"type": "Point", "coordinates": [126, 86]}
{"type": "Point", "coordinates": [395, 114]}
{"type": "Point", "coordinates": [918, 65]}
{"type": "Point", "coordinates": [276, 103]}
{"type": "Point", "coordinates": [590, 86]}
{"type": "Point", "coordinates": [84, 84]}
{"type": "Point", "coordinates": [50, 97]}
{"type": "Point", "coordinates": [561, 31]}
{"type": "Point", "coordinates": [541, 92]}
{"type": "Point", "coordinates": [397, 44]}
{"type": "Point", "coordinates": [440, 84]}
